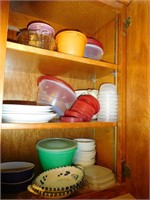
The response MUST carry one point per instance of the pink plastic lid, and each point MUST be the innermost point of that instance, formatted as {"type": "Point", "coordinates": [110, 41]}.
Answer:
{"type": "Point", "coordinates": [41, 27]}
{"type": "Point", "coordinates": [95, 42]}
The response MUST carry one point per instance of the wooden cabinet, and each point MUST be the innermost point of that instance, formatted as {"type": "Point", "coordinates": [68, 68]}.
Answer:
{"type": "Point", "coordinates": [21, 66]}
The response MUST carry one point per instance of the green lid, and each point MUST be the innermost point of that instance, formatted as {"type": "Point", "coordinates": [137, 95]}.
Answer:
{"type": "Point", "coordinates": [56, 144]}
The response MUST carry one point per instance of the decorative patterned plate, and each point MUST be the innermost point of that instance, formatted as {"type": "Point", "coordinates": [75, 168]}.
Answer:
{"type": "Point", "coordinates": [53, 195]}
{"type": "Point", "coordinates": [59, 179]}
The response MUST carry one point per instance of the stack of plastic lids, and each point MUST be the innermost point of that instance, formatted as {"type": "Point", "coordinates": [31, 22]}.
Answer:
{"type": "Point", "coordinates": [108, 100]}
{"type": "Point", "coordinates": [98, 177]}
{"type": "Point", "coordinates": [85, 153]}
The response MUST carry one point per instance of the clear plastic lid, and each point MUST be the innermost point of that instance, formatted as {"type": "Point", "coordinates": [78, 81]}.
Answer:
{"type": "Point", "coordinates": [96, 171]}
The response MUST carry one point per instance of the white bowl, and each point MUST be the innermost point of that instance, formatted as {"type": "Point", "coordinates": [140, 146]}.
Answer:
{"type": "Point", "coordinates": [85, 144]}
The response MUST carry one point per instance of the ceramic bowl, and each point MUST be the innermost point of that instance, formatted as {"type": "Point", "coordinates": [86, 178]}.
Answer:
{"type": "Point", "coordinates": [14, 172]}
{"type": "Point", "coordinates": [59, 180]}
{"type": "Point", "coordinates": [56, 152]}
{"type": "Point", "coordinates": [16, 187]}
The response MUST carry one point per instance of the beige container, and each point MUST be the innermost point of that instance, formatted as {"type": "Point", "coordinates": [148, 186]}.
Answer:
{"type": "Point", "coordinates": [71, 42]}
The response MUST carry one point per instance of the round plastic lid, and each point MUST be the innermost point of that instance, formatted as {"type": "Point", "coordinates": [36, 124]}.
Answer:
{"type": "Point", "coordinates": [56, 144]}
{"type": "Point", "coordinates": [43, 28]}
{"type": "Point", "coordinates": [95, 42]}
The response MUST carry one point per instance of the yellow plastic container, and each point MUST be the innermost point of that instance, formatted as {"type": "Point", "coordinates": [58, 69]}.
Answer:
{"type": "Point", "coordinates": [71, 42]}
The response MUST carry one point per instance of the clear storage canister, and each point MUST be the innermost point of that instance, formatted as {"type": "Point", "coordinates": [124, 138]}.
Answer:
{"type": "Point", "coordinates": [41, 35]}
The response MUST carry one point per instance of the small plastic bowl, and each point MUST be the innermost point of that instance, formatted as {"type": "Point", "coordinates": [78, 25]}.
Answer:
{"type": "Point", "coordinates": [55, 92]}
{"type": "Point", "coordinates": [14, 172]}
{"type": "Point", "coordinates": [108, 88]}
{"type": "Point", "coordinates": [93, 49]}
{"type": "Point", "coordinates": [56, 152]}
{"type": "Point", "coordinates": [71, 42]}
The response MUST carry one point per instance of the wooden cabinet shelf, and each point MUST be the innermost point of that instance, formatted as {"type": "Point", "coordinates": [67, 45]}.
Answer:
{"type": "Point", "coordinates": [57, 124]}
{"type": "Point", "coordinates": [52, 62]}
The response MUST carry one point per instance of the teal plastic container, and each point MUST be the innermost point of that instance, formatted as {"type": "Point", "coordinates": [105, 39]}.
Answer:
{"type": "Point", "coordinates": [56, 152]}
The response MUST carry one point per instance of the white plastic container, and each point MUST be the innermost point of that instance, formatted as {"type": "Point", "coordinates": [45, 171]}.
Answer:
{"type": "Point", "coordinates": [93, 49]}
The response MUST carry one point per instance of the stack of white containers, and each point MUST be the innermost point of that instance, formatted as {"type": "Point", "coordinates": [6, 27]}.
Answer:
{"type": "Point", "coordinates": [108, 100]}
{"type": "Point", "coordinates": [85, 153]}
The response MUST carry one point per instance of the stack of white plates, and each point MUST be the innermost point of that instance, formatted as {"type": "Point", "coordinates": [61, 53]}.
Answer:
{"type": "Point", "coordinates": [98, 177]}
{"type": "Point", "coordinates": [15, 113]}
{"type": "Point", "coordinates": [85, 153]}
{"type": "Point", "coordinates": [108, 100]}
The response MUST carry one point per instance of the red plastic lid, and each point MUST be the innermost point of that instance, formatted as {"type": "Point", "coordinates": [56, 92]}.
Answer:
{"type": "Point", "coordinates": [95, 42]}
{"type": "Point", "coordinates": [54, 79]}
{"type": "Point", "coordinates": [84, 106]}
{"type": "Point", "coordinates": [71, 119]}
{"type": "Point", "coordinates": [91, 101]}
{"type": "Point", "coordinates": [73, 113]}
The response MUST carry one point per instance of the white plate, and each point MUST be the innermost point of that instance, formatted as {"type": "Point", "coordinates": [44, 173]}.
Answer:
{"type": "Point", "coordinates": [15, 108]}
{"type": "Point", "coordinates": [27, 118]}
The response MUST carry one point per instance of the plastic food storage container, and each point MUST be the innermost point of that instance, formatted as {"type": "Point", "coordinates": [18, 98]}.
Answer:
{"type": "Point", "coordinates": [41, 35]}
{"type": "Point", "coordinates": [55, 92]}
{"type": "Point", "coordinates": [93, 49]}
{"type": "Point", "coordinates": [71, 42]}
{"type": "Point", "coordinates": [23, 37]}
{"type": "Point", "coordinates": [56, 152]}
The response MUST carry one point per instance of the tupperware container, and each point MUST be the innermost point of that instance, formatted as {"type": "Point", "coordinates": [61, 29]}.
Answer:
{"type": "Point", "coordinates": [93, 49]}
{"type": "Point", "coordinates": [71, 42]}
{"type": "Point", "coordinates": [55, 92]}
{"type": "Point", "coordinates": [41, 35]}
{"type": "Point", "coordinates": [56, 152]}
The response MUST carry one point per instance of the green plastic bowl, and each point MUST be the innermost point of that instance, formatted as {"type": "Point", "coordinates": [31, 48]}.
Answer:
{"type": "Point", "coordinates": [56, 152]}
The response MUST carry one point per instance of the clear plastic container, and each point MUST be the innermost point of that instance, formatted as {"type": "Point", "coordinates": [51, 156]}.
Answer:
{"type": "Point", "coordinates": [41, 35]}
{"type": "Point", "coordinates": [93, 49]}
{"type": "Point", "coordinates": [56, 93]}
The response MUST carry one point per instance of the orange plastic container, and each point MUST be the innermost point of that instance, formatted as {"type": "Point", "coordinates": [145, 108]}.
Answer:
{"type": "Point", "coordinates": [71, 42]}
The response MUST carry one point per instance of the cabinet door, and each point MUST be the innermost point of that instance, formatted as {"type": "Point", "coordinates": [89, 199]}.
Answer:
{"type": "Point", "coordinates": [4, 10]}
{"type": "Point", "coordinates": [138, 93]}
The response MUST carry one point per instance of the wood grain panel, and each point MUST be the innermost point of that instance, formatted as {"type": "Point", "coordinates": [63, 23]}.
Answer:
{"type": "Point", "coordinates": [4, 10]}
{"type": "Point", "coordinates": [88, 19]}
{"type": "Point", "coordinates": [138, 95]}
{"type": "Point", "coordinates": [23, 142]}
{"type": "Point", "coordinates": [106, 35]}
{"type": "Point", "coordinates": [21, 21]}
{"type": "Point", "coordinates": [105, 147]}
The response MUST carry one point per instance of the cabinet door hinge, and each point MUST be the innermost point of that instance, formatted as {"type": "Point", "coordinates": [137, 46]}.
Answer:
{"type": "Point", "coordinates": [126, 170]}
{"type": "Point", "coordinates": [127, 23]}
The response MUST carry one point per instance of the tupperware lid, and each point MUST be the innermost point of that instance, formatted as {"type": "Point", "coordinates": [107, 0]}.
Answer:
{"type": "Point", "coordinates": [41, 27]}
{"type": "Point", "coordinates": [56, 144]}
{"type": "Point", "coordinates": [95, 42]}
{"type": "Point", "coordinates": [56, 80]}
{"type": "Point", "coordinates": [96, 171]}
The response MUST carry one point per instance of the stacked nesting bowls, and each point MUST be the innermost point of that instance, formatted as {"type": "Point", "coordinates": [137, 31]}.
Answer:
{"type": "Point", "coordinates": [86, 152]}
{"type": "Point", "coordinates": [16, 176]}
{"type": "Point", "coordinates": [108, 99]}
